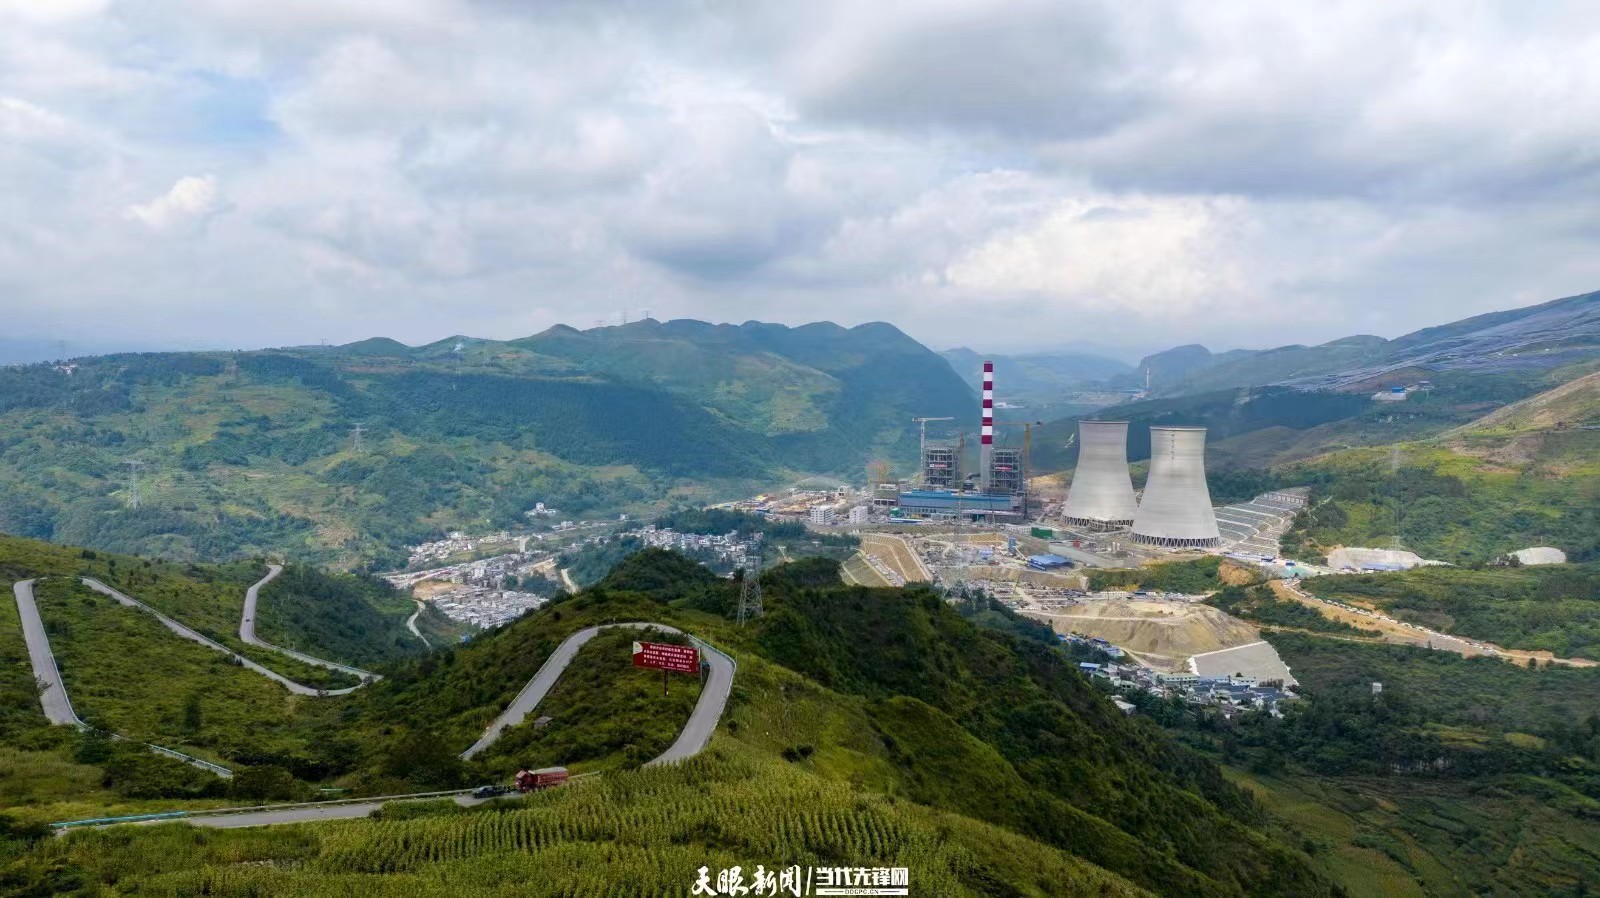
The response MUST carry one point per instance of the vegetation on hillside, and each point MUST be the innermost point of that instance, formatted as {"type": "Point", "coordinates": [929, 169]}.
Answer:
{"type": "Point", "coordinates": [351, 618]}
{"type": "Point", "coordinates": [637, 833]}
{"type": "Point", "coordinates": [1456, 504]}
{"type": "Point", "coordinates": [1192, 577]}
{"type": "Point", "coordinates": [1460, 776]}
{"type": "Point", "coordinates": [249, 453]}
{"type": "Point", "coordinates": [1261, 605]}
{"type": "Point", "coordinates": [1554, 607]}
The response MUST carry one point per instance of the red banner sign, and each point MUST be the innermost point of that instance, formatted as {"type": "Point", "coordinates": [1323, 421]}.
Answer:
{"type": "Point", "coordinates": [662, 656]}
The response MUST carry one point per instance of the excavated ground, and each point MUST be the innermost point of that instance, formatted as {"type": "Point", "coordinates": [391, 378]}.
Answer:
{"type": "Point", "coordinates": [1162, 634]}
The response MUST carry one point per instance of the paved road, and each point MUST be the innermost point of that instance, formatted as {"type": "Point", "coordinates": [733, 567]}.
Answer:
{"type": "Point", "coordinates": [247, 632]}
{"type": "Point", "coordinates": [57, 707]}
{"type": "Point", "coordinates": [696, 733]}
{"type": "Point", "coordinates": [411, 624]}
{"type": "Point", "coordinates": [53, 697]}
{"type": "Point", "coordinates": [192, 636]}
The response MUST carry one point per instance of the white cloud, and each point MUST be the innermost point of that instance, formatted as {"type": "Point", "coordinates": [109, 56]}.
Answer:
{"type": "Point", "coordinates": [1224, 171]}
{"type": "Point", "coordinates": [191, 200]}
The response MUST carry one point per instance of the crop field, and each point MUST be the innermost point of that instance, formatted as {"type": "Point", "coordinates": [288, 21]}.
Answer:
{"type": "Point", "coordinates": [636, 833]}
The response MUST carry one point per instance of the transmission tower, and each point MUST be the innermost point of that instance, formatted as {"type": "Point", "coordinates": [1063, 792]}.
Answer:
{"type": "Point", "coordinates": [355, 433]}
{"type": "Point", "coordinates": [750, 592]}
{"type": "Point", "coordinates": [133, 481]}
{"type": "Point", "coordinates": [1394, 482]}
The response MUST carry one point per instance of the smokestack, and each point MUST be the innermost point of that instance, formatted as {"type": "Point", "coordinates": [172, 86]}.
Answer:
{"type": "Point", "coordinates": [1102, 492]}
{"type": "Point", "coordinates": [1176, 509]}
{"type": "Point", "coordinates": [986, 449]}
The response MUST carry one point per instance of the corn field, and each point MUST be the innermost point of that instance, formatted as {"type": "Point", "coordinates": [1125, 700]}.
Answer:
{"type": "Point", "coordinates": [641, 833]}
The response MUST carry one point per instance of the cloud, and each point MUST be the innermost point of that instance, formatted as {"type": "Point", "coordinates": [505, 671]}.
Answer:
{"type": "Point", "coordinates": [191, 200]}
{"type": "Point", "coordinates": [1228, 171]}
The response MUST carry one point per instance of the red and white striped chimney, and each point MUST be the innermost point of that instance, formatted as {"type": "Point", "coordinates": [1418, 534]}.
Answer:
{"type": "Point", "coordinates": [986, 448]}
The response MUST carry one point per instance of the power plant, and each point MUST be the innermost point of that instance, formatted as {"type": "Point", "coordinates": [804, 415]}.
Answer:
{"type": "Point", "coordinates": [1175, 511]}
{"type": "Point", "coordinates": [1101, 497]}
{"type": "Point", "coordinates": [1002, 486]}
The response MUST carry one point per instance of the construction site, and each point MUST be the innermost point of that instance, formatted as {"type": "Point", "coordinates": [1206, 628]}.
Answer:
{"type": "Point", "coordinates": [984, 529]}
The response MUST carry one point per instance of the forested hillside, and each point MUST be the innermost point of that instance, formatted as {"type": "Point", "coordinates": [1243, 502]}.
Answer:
{"type": "Point", "coordinates": [243, 453]}
{"type": "Point", "coordinates": [840, 690]}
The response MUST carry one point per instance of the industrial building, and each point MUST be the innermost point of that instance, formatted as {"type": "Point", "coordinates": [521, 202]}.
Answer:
{"type": "Point", "coordinates": [1101, 496]}
{"type": "Point", "coordinates": [1175, 511]}
{"type": "Point", "coordinates": [1005, 472]}
{"type": "Point", "coordinates": [1002, 475]}
{"type": "Point", "coordinates": [822, 515]}
{"type": "Point", "coordinates": [941, 467]}
{"type": "Point", "coordinates": [951, 504]}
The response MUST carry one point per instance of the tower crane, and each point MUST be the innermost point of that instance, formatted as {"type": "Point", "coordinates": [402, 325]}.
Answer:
{"type": "Point", "coordinates": [922, 442]}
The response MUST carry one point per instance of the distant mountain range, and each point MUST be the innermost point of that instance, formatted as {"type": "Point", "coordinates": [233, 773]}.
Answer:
{"type": "Point", "coordinates": [1528, 340]}
{"type": "Point", "coordinates": [1046, 383]}
{"type": "Point", "coordinates": [254, 451]}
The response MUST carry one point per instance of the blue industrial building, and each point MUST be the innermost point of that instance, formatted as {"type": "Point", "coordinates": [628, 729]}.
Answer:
{"type": "Point", "coordinates": [944, 503]}
{"type": "Point", "coordinates": [1047, 562]}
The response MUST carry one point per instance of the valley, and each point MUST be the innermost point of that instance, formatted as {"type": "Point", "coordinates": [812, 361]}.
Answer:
{"type": "Point", "coordinates": [1243, 719]}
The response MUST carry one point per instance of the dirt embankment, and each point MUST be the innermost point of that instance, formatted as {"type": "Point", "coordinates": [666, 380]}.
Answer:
{"type": "Point", "coordinates": [1162, 634]}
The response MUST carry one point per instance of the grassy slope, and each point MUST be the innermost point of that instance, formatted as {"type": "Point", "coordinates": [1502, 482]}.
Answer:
{"type": "Point", "coordinates": [130, 675]}
{"type": "Point", "coordinates": [1517, 827]}
{"type": "Point", "coordinates": [1462, 500]}
{"type": "Point", "coordinates": [1378, 837]}
{"type": "Point", "coordinates": [207, 598]}
{"type": "Point", "coordinates": [1556, 607]}
{"type": "Point", "coordinates": [605, 712]}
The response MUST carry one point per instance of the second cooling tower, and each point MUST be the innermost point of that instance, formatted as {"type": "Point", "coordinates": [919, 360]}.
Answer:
{"type": "Point", "coordinates": [1176, 508]}
{"type": "Point", "coordinates": [1101, 496]}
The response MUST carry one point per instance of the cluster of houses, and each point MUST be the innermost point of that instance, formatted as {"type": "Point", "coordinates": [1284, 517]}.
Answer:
{"type": "Point", "coordinates": [486, 607]}
{"type": "Point", "coordinates": [727, 547]}
{"type": "Point", "coordinates": [458, 543]}
{"type": "Point", "coordinates": [1233, 695]}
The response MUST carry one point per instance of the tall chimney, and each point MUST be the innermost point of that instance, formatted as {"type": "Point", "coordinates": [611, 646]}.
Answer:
{"type": "Point", "coordinates": [986, 449]}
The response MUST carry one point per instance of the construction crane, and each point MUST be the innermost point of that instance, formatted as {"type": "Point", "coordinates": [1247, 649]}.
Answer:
{"type": "Point", "coordinates": [922, 442]}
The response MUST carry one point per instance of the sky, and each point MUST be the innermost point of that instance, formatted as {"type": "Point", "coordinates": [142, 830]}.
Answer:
{"type": "Point", "coordinates": [1004, 175]}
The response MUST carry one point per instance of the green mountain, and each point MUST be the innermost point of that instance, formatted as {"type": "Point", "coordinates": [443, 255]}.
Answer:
{"type": "Point", "coordinates": [1528, 342]}
{"type": "Point", "coordinates": [1465, 496]}
{"type": "Point", "coordinates": [865, 727]}
{"type": "Point", "coordinates": [1043, 382]}
{"type": "Point", "coordinates": [253, 452]}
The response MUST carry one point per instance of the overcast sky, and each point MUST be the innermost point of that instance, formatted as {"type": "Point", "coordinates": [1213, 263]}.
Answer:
{"type": "Point", "coordinates": [1000, 175]}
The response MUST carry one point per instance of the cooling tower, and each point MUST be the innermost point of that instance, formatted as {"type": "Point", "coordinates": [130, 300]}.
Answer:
{"type": "Point", "coordinates": [1176, 508]}
{"type": "Point", "coordinates": [986, 447]}
{"type": "Point", "coordinates": [1102, 492]}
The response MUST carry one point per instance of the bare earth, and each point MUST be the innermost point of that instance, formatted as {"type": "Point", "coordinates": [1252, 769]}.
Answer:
{"type": "Point", "coordinates": [1162, 634]}
{"type": "Point", "coordinates": [897, 554]}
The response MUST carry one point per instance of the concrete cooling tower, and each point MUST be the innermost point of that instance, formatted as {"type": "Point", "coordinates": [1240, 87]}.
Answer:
{"type": "Point", "coordinates": [1176, 508]}
{"type": "Point", "coordinates": [1102, 492]}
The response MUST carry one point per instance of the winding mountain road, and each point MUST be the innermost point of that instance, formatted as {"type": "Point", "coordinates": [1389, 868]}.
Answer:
{"type": "Point", "coordinates": [696, 733]}
{"type": "Point", "coordinates": [193, 636]}
{"type": "Point", "coordinates": [53, 691]}
{"type": "Point", "coordinates": [247, 633]}
{"type": "Point", "coordinates": [411, 624]}
{"type": "Point", "coordinates": [52, 695]}
{"type": "Point", "coordinates": [692, 740]}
